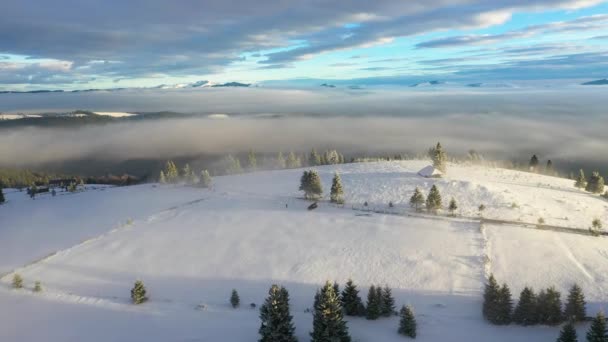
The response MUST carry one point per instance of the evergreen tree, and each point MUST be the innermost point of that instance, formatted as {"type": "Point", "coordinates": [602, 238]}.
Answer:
{"type": "Point", "coordinates": [525, 311]}
{"type": "Point", "coordinates": [433, 200]}
{"type": "Point", "coordinates": [453, 206]}
{"type": "Point", "coordinates": [281, 163]}
{"type": "Point", "coordinates": [597, 330]}
{"type": "Point", "coordinates": [37, 287]}
{"type": "Point", "coordinates": [575, 306]}
{"type": "Point", "coordinates": [310, 183]}
{"type": "Point", "coordinates": [533, 163]}
{"type": "Point", "coordinates": [491, 298]}
{"type": "Point", "coordinates": [380, 299]}
{"type": "Point", "coordinates": [33, 190]}
{"type": "Point", "coordinates": [171, 173]}
{"type": "Point", "coordinates": [328, 320]}
{"type": "Point", "coordinates": [567, 334]}
{"type": "Point", "coordinates": [550, 307]}
{"type": "Point", "coordinates": [314, 159]}
{"type": "Point", "coordinates": [17, 281]}
{"type": "Point", "coordinates": [277, 325]}
{"type": "Point", "coordinates": [162, 179]}
{"type": "Point", "coordinates": [439, 158]}
{"type": "Point", "coordinates": [351, 302]}
{"type": "Point", "coordinates": [332, 157]}
{"type": "Point", "coordinates": [252, 162]}
{"type": "Point", "coordinates": [505, 305]}
{"type": "Point", "coordinates": [233, 165]}
{"type": "Point", "coordinates": [337, 194]}
{"type": "Point", "coordinates": [373, 304]}
{"type": "Point", "coordinates": [417, 199]}
{"type": "Point", "coordinates": [293, 161]}
{"type": "Point", "coordinates": [595, 184]}
{"type": "Point", "coordinates": [205, 179]}
{"type": "Point", "coordinates": [581, 181]}
{"type": "Point", "coordinates": [388, 302]}
{"type": "Point", "coordinates": [234, 299]}
{"type": "Point", "coordinates": [549, 167]}
{"type": "Point", "coordinates": [407, 323]}
{"type": "Point", "coordinates": [2, 200]}
{"type": "Point", "coordinates": [138, 293]}
{"type": "Point", "coordinates": [187, 173]}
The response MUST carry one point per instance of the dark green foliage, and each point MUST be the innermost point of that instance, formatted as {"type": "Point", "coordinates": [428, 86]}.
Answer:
{"type": "Point", "coordinates": [351, 302]}
{"type": "Point", "coordinates": [337, 193]}
{"type": "Point", "coordinates": [453, 206]}
{"type": "Point", "coordinates": [310, 183]}
{"type": "Point", "coordinates": [505, 305]}
{"type": "Point", "coordinates": [439, 157]}
{"type": "Point", "coordinates": [373, 307]}
{"type": "Point", "coordinates": [533, 162]}
{"type": "Point", "coordinates": [595, 183]}
{"type": "Point", "coordinates": [235, 301]}
{"type": "Point", "coordinates": [2, 200]}
{"type": "Point", "coordinates": [417, 199]}
{"type": "Point", "coordinates": [491, 297]}
{"type": "Point", "coordinates": [525, 311]}
{"type": "Point", "coordinates": [597, 330]}
{"type": "Point", "coordinates": [37, 287]}
{"type": "Point", "coordinates": [433, 200]}
{"type": "Point", "coordinates": [277, 325]}
{"type": "Point", "coordinates": [407, 323]}
{"type": "Point", "coordinates": [549, 307]}
{"type": "Point", "coordinates": [567, 334]}
{"type": "Point", "coordinates": [575, 306]}
{"type": "Point", "coordinates": [328, 320]}
{"type": "Point", "coordinates": [138, 293]}
{"type": "Point", "coordinates": [17, 281]}
{"type": "Point", "coordinates": [388, 302]}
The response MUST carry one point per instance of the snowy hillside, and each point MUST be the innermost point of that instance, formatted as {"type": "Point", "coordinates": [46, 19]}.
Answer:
{"type": "Point", "coordinates": [192, 246]}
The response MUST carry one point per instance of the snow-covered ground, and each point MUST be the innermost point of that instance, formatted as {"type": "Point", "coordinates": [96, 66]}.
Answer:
{"type": "Point", "coordinates": [192, 246]}
{"type": "Point", "coordinates": [115, 114]}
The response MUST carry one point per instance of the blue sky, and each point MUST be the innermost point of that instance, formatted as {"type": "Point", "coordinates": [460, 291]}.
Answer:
{"type": "Point", "coordinates": [92, 44]}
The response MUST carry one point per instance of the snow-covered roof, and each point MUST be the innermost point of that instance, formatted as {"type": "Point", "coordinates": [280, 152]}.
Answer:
{"type": "Point", "coordinates": [430, 172]}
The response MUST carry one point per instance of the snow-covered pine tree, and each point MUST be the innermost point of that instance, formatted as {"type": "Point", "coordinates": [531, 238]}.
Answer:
{"type": "Point", "coordinates": [596, 183]}
{"type": "Point", "coordinates": [351, 302]}
{"type": "Point", "coordinates": [314, 159]}
{"type": "Point", "coordinates": [235, 301]}
{"type": "Point", "coordinates": [373, 304]}
{"type": "Point", "coordinates": [252, 162]}
{"type": "Point", "coordinates": [205, 179]}
{"type": "Point", "coordinates": [525, 311]}
{"type": "Point", "coordinates": [162, 179]}
{"type": "Point", "coordinates": [505, 304]}
{"type": "Point", "coordinates": [439, 158]}
{"type": "Point", "coordinates": [433, 200]}
{"type": "Point", "coordinates": [417, 199]}
{"type": "Point", "coordinates": [388, 302]}
{"type": "Point", "coordinates": [277, 322]}
{"type": "Point", "coordinates": [233, 165]}
{"type": "Point", "coordinates": [310, 183]}
{"type": "Point", "coordinates": [281, 163]}
{"type": "Point", "coordinates": [453, 206]}
{"type": "Point", "coordinates": [407, 323]}
{"type": "Point", "coordinates": [491, 295]}
{"type": "Point", "coordinates": [171, 173]}
{"type": "Point", "coordinates": [332, 157]}
{"type": "Point", "coordinates": [581, 181]}
{"type": "Point", "coordinates": [293, 161]}
{"type": "Point", "coordinates": [568, 333]}
{"type": "Point", "coordinates": [597, 330]}
{"type": "Point", "coordinates": [187, 173]}
{"type": "Point", "coordinates": [17, 281]}
{"type": "Point", "coordinates": [575, 306]}
{"type": "Point", "coordinates": [328, 320]}
{"type": "Point", "coordinates": [138, 293]}
{"type": "Point", "coordinates": [337, 193]}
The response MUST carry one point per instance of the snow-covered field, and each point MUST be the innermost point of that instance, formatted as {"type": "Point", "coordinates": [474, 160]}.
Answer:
{"type": "Point", "coordinates": [115, 114]}
{"type": "Point", "coordinates": [192, 246]}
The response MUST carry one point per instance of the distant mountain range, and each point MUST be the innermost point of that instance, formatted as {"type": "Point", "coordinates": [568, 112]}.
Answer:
{"type": "Point", "coordinates": [597, 82]}
{"type": "Point", "coordinates": [197, 84]}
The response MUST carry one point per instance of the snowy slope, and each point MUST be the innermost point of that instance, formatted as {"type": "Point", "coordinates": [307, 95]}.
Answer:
{"type": "Point", "coordinates": [192, 246]}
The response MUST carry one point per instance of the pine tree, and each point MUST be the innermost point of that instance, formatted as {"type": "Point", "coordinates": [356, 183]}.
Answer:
{"type": "Point", "coordinates": [407, 324]}
{"type": "Point", "coordinates": [581, 181]}
{"type": "Point", "coordinates": [37, 287]}
{"type": "Point", "coordinates": [234, 299]}
{"type": "Point", "coordinates": [293, 161]}
{"type": "Point", "coordinates": [2, 200]}
{"type": "Point", "coordinates": [310, 183]}
{"type": "Point", "coordinates": [233, 165]}
{"type": "Point", "coordinates": [388, 302]}
{"type": "Point", "coordinates": [373, 304]}
{"type": "Point", "coordinates": [252, 162]}
{"type": "Point", "coordinates": [314, 159]}
{"type": "Point", "coordinates": [281, 163]}
{"type": "Point", "coordinates": [550, 307]}
{"type": "Point", "coordinates": [525, 311]}
{"type": "Point", "coordinates": [595, 184]}
{"type": "Point", "coordinates": [336, 194]}
{"type": "Point", "coordinates": [351, 302]}
{"type": "Point", "coordinates": [417, 199]}
{"type": "Point", "coordinates": [491, 299]}
{"type": "Point", "coordinates": [433, 200]}
{"type": "Point", "coordinates": [17, 281]}
{"type": "Point", "coordinates": [171, 173]}
{"type": "Point", "coordinates": [162, 179]}
{"type": "Point", "coordinates": [380, 299]}
{"type": "Point", "coordinates": [575, 306]}
{"type": "Point", "coordinates": [439, 158]}
{"type": "Point", "coordinates": [187, 173]}
{"type": "Point", "coordinates": [533, 163]}
{"type": "Point", "coordinates": [205, 179]}
{"type": "Point", "coordinates": [453, 206]}
{"type": "Point", "coordinates": [138, 293]}
{"type": "Point", "coordinates": [597, 330]}
{"type": "Point", "coordinates": [328, 320]}
{"type": "Point", "coordinates": [549, 167]}
{"type": "Point", "coordinates": [505, 305]}
{"type": "Point", "coordinates": [332, 157]}
{"type": "Point", "coordinates": [276, 320]}
{"type": "Point", "coordinates": [567, 334]}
